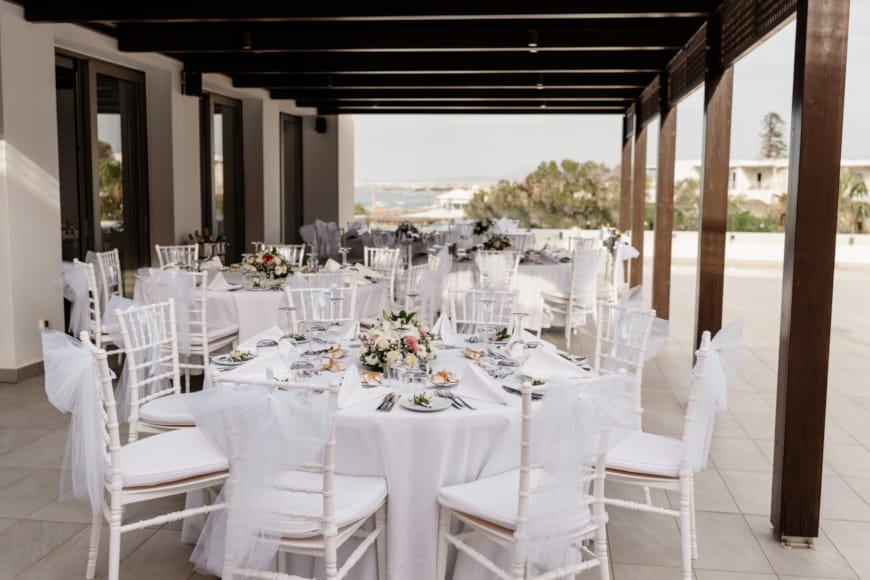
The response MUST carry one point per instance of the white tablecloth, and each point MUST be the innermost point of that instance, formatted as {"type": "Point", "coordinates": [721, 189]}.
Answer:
{"type": "Point", "coordinates": [417, 453]}
{"type": "Point", "coordinates": [532, 279]}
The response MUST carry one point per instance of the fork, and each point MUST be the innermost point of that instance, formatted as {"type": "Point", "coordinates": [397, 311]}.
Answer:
{"type": "Point", "coordinates": [453, 401]}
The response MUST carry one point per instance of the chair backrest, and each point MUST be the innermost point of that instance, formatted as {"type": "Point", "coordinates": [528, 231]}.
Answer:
{"type": "Point", "coordinates": [293, 253]}
{"type": "Point", "coordinates": [337, 304]}
{"type": "Point", "coordinates": [621, 337]}
{"type": "Point", "coordinates": [384, 260]}
{"type": "Point", "coordinates": [520, 241]}
{"type": "Point", "coordinates": [111, 275]}
{"type": "Point", "coordinates": [151, 344]}
{"type": "Point", "coordinates": [95, 320]}
{"type": "Point", "coordinates": [472, 308]}
{"type": "Point", "coordinates": [199, 312]}
{"type": "Point", "coordinates": [584, 275]}
{"type": "Point", "coordinates": [182, 256]}
{"type": "Point", "coordinates": [497, 268]}
{"type": "Point", "coordinates": [575, 242]}
{"type": "Point", "coordinates": [240, 422]}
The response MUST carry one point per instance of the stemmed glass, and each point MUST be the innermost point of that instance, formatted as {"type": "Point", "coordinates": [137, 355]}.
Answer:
{"type": "Point", "coordinates": [286, 344]}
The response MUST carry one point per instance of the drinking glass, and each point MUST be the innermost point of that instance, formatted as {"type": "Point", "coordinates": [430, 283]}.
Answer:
{"type": "Point", "coordinates": [396, 374]}
{"type": "Point", "coordinates": [285, 320]}
{"type": "Point", "coordinates": [287, 350]}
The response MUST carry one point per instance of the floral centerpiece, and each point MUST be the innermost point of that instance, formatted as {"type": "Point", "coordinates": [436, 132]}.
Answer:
{"type": "Point", "coordinates": [270, 264]}
{"type": "Point", "coordinates": [397, 336]}
{"type": "Point", "coordinates": [407, 230]}
{"type": "Point", "coordinates": [481, 227]}
{"type": "Point", "coordinates": [497, 242]}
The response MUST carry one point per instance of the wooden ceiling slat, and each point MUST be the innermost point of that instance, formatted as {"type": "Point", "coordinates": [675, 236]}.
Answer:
{"type": "Point", "coordinates": [587, 94]}
{"type": "Point", "coordinates": [463, 104]}
{"type": "Point", "coordinates": [512, 35]}
{"type": "Point", "coordinates": [479, 111]}
{"type": "Point", "coordinates": [386, 62]}
{"type": "Point", "coordinates": [269, 10]}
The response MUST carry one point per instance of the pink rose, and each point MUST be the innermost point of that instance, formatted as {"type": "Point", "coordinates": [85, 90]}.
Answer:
{"type": "Point", "coordinates": [411, 344]}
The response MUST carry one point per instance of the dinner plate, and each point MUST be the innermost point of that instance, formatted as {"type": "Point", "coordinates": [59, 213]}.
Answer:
{"type": "Point", "coordinates": [225, 360]}
{"type": "Point", "coordinates": [436, 404]}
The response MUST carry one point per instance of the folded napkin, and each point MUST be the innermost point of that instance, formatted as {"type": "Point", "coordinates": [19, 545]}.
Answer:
{"type": "Point", "coordinates": [347, 331]}
{"type": "Point", "coordinates": [352, 391]}
{"type": "Point", "coordinates": [445, 329]}
{"type": "Point", "coordinates": [366, 271]}
{"type": "Point", "coordinates": [546, 364]}
{"type": "Point", "coordinates": [273, 333]}
{"type": "Point", "coordinates": [332, 266]}
{"type": "Point", "coordinates": [213, 264]}
{"type": "Point", "coordinates": [219, 283]}
{"type": "Point", "coordinates": [476, 384]}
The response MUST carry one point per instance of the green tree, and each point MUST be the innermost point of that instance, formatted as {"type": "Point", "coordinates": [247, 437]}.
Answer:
{"type": "Point", "coordinates": [772, 137]}
{"type": "Point", "coordinates": [854, 207]}
{"type": "Point", "coordinates": [687, 204]}
{"type": "Point", "coordinates": [359, 209]}
{"type": "Point", "coordinates": [555, 195]}
{"type": "Point", "coordinates": [111, 184]}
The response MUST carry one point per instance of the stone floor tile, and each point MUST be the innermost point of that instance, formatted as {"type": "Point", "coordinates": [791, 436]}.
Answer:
{"type": "Point", "coordinates": [721, 537]}
{"type": "Point", "coordinates": [711, 494]}
{"type": "Point", "coordinates": [160, 556]}
{"type": "Point", "coordinates": [848, 460]}
{"type": "Point", "coordinates": [750, 489]}
{"type": "Point", "coordinates": [737, 454]}
{"type": "Point", "coordinates": [637, 572]}
{"type": "Point", "coordinates": [25, 542]}
{"type": "Point", "coordinates": [851, 540]}
{"type": "Point", "coordinates": [30, 493]}
{"type": "Point", "coordinates": [643, 538]}
{"type": "Point", "coordinates": [48, 450]}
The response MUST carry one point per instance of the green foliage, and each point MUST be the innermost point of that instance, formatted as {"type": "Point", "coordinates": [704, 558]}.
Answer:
{"type": "Point", "coordinates": [555, 195]}
{"type": "Point", "coordinates": [854, 207]}
{"type": "Point", "coordinates": [772, 137]}
{"type": "Point", "coordinates": [111, 174]}
{"type": "Point", "coordinates": [359, 209]}
{"type": "Point", "coordinates": [687, 204]}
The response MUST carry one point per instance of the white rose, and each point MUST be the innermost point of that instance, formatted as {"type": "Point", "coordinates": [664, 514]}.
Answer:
{"type": "Point", "coordinates": [371, 360]}
{"type": "Point", "coordinates": [382, 344]}
{"type": "Point", "coordinates": [411, 360]}
{"type": "Point", "coordinates": [393, 356]}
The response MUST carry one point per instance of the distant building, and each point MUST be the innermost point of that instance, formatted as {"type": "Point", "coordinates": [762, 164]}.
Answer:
{"type": "Point", "coordinates": [448, 205]}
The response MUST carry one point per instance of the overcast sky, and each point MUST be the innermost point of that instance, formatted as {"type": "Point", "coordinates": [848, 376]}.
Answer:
{"type": "Point", "coordinates": [445, 147]}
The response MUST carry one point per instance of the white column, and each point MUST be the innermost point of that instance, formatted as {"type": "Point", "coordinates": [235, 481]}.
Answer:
{"type": "Point", "coordinates": [30, 244]}
{"type": "Point", "coordinates": [327, 170]}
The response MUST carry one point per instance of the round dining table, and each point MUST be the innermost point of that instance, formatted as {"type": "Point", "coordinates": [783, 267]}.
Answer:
{"type": "Point", "coordinates": [418, 454]}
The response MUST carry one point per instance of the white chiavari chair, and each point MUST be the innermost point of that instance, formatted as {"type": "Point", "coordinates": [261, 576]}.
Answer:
{"type": "Point", "coordinates": [520, 241]}
{"type": "Point", "coordinates": [153, 373]}
{"type": "Point", "coordinates": [111, 275]}
{"type": "Point", "coordinates": [185, 256]}
{"type": "Point", "coordinates": [384, 261]}
{"type": "Point", "coordinates": [163, 465]}
{"type": "Point", "coordinates": [578, 301]}
{"type": "Point", "coordinates": [621, 337]}
{"type": "Point", "coordinates": [481, 307]}
{"type": "Point", "coordinates": [417, 280]}
{"type": "Point", "coordinates": [97, 333]}
{"type": "Point", "coordinates": [583, 242]}
{"type": "Point", "coordinates": [509, 509]}
{"type": "Point", "coordinates": [659, 462]}
{"type": "Point", "coordinates": [203, 339]}
{"type": "Point", "coordinates": [293, 253]}
{"type": "Point", "coordinates": [321, 305]}
{"type": "Point", "coordinates": [258, 247]}
{"type": "Point", "coordinates": [497, 268]}
{"type": "Point", "coordinates": [311, 510]}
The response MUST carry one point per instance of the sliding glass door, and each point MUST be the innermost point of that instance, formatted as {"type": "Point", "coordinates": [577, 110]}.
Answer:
{"type": "Point", "coordinates": [102, 150]}
{"type": "Point", "coordinates": [223, 209]}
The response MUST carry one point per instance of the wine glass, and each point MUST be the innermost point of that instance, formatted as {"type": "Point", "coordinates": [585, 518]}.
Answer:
{"type": "Point", "coordinates": [285, 320]}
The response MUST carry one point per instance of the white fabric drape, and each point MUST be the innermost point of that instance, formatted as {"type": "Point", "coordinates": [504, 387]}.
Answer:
{"type": "Point", "coordinates": [719, 369]}
{"type": "Point", "coordinates": [495, 267]}
{"type": "Point", "coordinates": [264, 432]}
{"type": "Point", "coordinates": [622, 253]}
{"type": "Point", "coordinates": [578, 422]}
{"type": "Point", "coordinates": [73, 386]}
{"type": "Point", "coordinates": [148, 357]}
{"type": "Point", "coordinates": [73, 284]}
{"type": "Point", "coordinates": [660, 329]}
{"type": "Point", "coordinates": [158, 285]}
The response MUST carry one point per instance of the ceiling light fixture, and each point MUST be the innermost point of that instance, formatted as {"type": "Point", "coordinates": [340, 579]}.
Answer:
{"type": "Point", "coordinates": [247, 43]}
{"type": "Point", "coordinates": [533, 40]}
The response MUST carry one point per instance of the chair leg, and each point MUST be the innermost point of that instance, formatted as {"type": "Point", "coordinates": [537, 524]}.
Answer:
{"type": "Point", "coordinates": [601, 552]}
{"type": "Point", "coordinates": [93, 550]}
{"type": "Point", "coordinates": [568, 335]}
{"type": "Point", "coordinates": [281, 558]}
{"type": "Point", "coordinates": [381, 542]}
{"type": "Point", "coordinates": [647, 495]}
{"type": "Point", "coordinates": [187, 373]}
{"type": "Point", "coordinates": [330, 557]}
{"type": "Point", "coordinates": [443, 528]}
{"type": "Point", "coordinates": [692, 512]}
{"type": "Point", "coordinates": [685, 527]}
{"type": "Point", "coordinates": [114, 547]}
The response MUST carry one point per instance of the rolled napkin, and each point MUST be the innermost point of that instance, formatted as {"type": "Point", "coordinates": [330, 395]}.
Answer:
{"type": "Point", "coordinates": [547, 364]}
{"type": "Point", "coordinates": [476, 384]}
{"type": "Point", "coordinates": [332, 266]}
{"type": "Point", "coordinates": [220, 284]}
{"type": "Point", "coordinates": [213, 264]}
{"type": "Point", "coordinates": [273, 333]}
{"type": "Point", "coordinates": [352, 392]}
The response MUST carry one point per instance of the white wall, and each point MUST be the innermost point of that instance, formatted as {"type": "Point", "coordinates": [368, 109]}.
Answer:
{"type": "Point", "coordinates": [345, 170]}
{"type": "Point", "coordinates": [327, 170]}
{"type": "Point", "coordinates": [30, 245]}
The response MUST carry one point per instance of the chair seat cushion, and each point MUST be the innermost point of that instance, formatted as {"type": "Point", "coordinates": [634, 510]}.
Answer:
{"type": "Point", "coordinates": [555, 295]}
{"type": "Point", "coordinates": [648, 454]}
{"type": "Point", "coordinates": [168, 457]}
{"type": "Point", "coordinates": [493, 499]}
{"type": "Point", "coordinates": [355, 499]}
{"type": "Point", "coordinates": [168, 410]}
{"type": "Point", "coordinates": [218, 334]}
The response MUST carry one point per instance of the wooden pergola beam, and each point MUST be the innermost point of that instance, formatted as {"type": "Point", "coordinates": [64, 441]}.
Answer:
{"type": "Point", "coordinates": [625, 173]}
{"type": "Point", "coordinates": [638, 204]}
{"type": "Point", "coordinates": [664, 224]}
{"type": "Point", "coordinates": [808, 273]}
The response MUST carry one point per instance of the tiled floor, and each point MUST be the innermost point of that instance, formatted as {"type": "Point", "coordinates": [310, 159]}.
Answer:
{"type": "Point", "coordinates": [42, 538]}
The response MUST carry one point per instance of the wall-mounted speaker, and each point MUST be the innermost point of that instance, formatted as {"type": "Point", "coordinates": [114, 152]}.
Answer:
{"type": "Point", "coordinates": [320, 124]}
{"type": "Point", "coordinates": [191, 83]}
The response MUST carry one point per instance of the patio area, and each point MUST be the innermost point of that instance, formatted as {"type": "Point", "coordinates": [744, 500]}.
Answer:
{"type": "Point", "coordinates": [43, 538]}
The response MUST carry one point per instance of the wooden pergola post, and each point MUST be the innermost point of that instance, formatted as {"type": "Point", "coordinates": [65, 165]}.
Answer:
{"type": "Point", "coordinates": [625, 174]}
{"type": "Point", "coordinates": [664, 226]}
{"type": "Point", "coordinates": [638, 204]}
{"type": "Point", "coordinates": [718, 88]}
{"type": "Point", "coordinates": [808, 273]}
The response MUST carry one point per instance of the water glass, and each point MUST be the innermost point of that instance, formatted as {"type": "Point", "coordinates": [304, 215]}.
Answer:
{"type": "Point", "coordinates": [396, 374]}
{"type": "Point", "coordinates": [287, 350]}
{"type": "Point", "coordinates": [285, 320]}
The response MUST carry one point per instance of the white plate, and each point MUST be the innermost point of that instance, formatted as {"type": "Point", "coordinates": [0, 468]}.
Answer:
{"type": "Point", "coordinates": [437, 404]}
{"type": "Point", "coordinates": [224, 360]}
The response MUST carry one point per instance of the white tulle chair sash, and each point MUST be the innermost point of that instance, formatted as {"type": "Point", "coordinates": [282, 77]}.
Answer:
{"type": "Point", "coordinates": [661, 328]}
{"type": "Point", "coordinates": [718, 370]}
{"type": "Point", "coordinates": [264, 432]}
{"type": "Point", "coordinates": [159, 286]}
{"type": "Point", "coordinates": [148, 360]}
{"type": "Point", "coordinates": [73, 386]}
{"type": "Point", "coordinates": [623, 252]}
{"type": "Point", "coordinates": [73, 284]}
{"type": "Point", "coordinates": [576, 425]}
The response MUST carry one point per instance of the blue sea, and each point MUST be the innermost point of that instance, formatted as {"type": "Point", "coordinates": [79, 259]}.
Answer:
{"type": "Point", "coordinates": [389, 200]}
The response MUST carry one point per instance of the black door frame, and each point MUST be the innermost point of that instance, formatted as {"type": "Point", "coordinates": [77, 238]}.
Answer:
{"type": "Point", "coordinates": [288, 212]}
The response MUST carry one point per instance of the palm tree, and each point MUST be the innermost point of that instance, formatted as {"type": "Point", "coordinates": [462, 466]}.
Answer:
{"type": "Point", "coordinates": [854, 208]}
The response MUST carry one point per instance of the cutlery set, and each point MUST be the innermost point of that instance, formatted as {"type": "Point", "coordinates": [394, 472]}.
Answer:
{"type": "Point", "coordinates": [388, 403]}
{"type": "Point", "coordinates": [513, 391]}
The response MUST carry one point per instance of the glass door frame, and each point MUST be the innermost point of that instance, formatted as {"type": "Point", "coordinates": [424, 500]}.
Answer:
{"type": "Point", "coordinates": [206, 150]}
